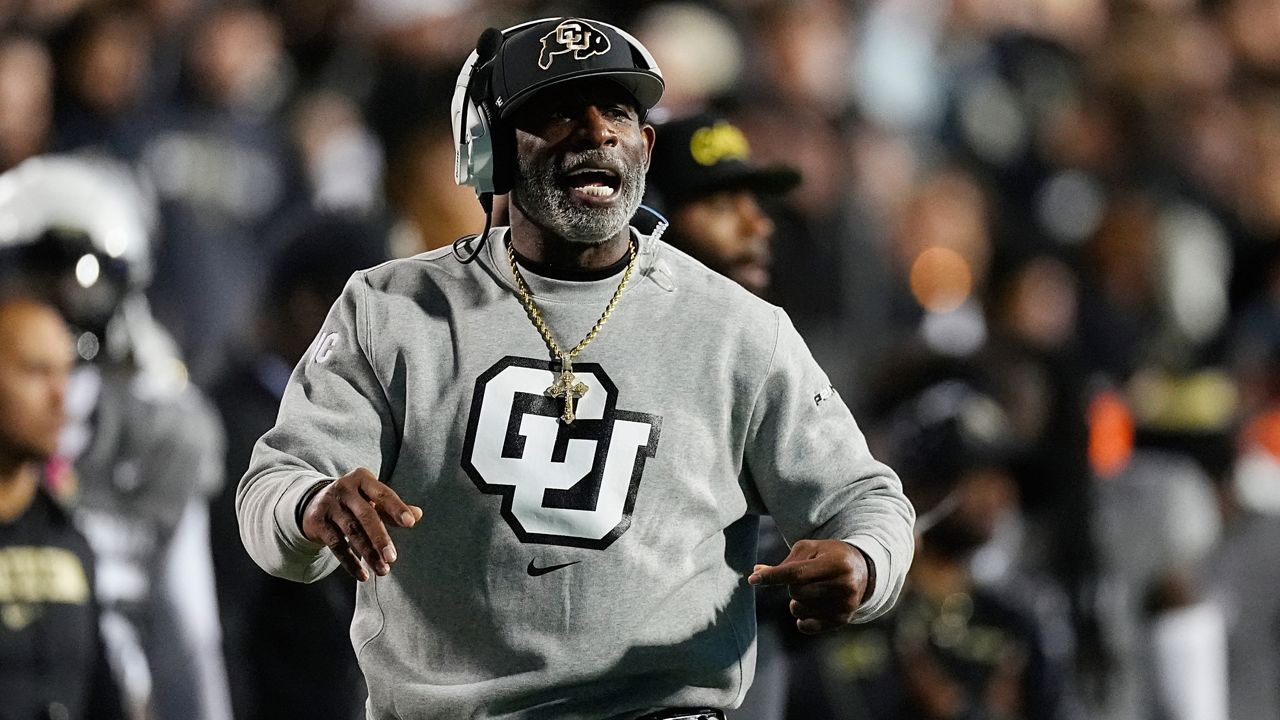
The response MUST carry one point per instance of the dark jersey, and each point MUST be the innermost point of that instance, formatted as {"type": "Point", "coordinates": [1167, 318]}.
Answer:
{"type": "Point", "coordinates": [51, 660]}
{"type": "Point", "coordinates": [979, 647]}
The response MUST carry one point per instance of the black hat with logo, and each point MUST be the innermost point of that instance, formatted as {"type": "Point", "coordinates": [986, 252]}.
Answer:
{"type": "Point", "coordinates": [699, 155]}
{"type": "Point", "coordinates": [561, 49]}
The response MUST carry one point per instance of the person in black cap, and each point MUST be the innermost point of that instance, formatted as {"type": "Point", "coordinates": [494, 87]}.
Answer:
{"type": "Point", "coordinates": [703, 179]}
{"type": "Point", "coordinates": [954, 647]}
{"type": "Point", "coordinates": [287, 651]}
{"type": "Point", "coordinates": [566, 431]}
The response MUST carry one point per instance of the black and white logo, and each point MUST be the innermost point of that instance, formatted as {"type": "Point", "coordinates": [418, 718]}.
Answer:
{"type": "Point", "coordinates": [572, 485]}
{"type": "Point", "coordinates": [572, 36]}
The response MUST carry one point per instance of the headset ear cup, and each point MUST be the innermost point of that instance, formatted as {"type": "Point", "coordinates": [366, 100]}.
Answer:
{"type": "Point", "coordinates": [474, 119]}
{"type": "Point", "coordinates": [470, 133]}
{"type": "Point", "coordinates": [501, 136]}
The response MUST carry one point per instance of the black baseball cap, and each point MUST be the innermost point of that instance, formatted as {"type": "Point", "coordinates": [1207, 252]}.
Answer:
{"type": "Point", "coordinates": [563, 49]}
{"type": "Point", "coordinates": [706, 153]}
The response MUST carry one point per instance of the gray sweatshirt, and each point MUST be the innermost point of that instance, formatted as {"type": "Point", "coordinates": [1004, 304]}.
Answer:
{"type": "Point", "coordinates": [593, 570]}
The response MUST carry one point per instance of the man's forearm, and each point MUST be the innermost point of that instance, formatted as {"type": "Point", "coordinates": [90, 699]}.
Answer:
{"type": "Point", "coordinates": [267, 507]}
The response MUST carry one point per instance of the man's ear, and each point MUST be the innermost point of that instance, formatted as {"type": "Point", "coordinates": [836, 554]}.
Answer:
{"type": "Point", "coordinates": [650, 137]}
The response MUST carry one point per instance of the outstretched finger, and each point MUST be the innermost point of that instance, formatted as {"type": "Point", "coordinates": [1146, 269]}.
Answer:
{"type": "Point", "coordinates": [388, 502]}
{"type": "Point", "coordinates": [352, 501]}
{"type": "Point", "coordinates": [366, 535]}
{"type": "Point", "coordinates": [790, 572]}
{"type": "Point", "coordinates": [332, 537]}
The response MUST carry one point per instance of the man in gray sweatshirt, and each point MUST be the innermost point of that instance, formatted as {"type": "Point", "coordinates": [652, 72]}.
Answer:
{"type": "Point", "coordinates": [562, 435]}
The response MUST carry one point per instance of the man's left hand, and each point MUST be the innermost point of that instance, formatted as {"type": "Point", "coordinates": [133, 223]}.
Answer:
{"type": "Point", "coordinates": [826, 579]}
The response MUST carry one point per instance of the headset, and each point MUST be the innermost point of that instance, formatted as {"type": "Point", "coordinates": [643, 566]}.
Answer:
{"type": "Point", "coordinates": [475, 119]}
{"type": "Point", "coordinates": [484, 145]}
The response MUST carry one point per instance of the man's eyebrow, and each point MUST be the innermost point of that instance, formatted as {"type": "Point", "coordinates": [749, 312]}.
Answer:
{"type": "Point", "coordinates": [577, 103]}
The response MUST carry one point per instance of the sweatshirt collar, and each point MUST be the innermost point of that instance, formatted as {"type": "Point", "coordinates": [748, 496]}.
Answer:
{"type": "Point", "coordinates": [568, 291]}
{"type": "Point", "coordinates": [572, 274]}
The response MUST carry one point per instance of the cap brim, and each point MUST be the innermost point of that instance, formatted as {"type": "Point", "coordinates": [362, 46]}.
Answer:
{"type": "Point", "coordinates": [769, 180]}
{"type": "Point", "coordinates": [645, 87]}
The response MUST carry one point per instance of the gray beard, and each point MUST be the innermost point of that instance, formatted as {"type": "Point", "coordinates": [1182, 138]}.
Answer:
{"type": "Point", "coordinates": [541, 198]}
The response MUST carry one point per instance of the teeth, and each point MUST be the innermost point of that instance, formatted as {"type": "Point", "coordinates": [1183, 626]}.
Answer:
{"type": "Point", "coordinates": [583, 171]}
{"type": "Point", "coordinates": [600, 191]}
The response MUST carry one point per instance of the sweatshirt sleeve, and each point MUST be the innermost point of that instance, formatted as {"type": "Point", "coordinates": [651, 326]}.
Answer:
{"type": "Point", "coordinates": [811, 467]}
{"type": "Point", "coordinates": [334, 417]}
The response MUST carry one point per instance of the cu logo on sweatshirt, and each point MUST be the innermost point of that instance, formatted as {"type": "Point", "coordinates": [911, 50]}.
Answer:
{"type": "Point", "coordinates": [560, 484]}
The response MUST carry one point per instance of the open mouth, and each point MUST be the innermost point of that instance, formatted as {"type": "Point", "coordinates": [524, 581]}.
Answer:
{"type": "Point", "coordinates": [598, 183]}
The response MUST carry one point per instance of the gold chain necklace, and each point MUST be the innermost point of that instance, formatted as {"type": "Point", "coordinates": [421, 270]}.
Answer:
{"type": "Point", "coordinates": [567, 386]}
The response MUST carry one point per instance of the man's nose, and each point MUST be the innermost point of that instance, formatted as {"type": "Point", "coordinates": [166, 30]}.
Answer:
{"type": "Point", "coordinates": [58, 392]}
{"type": "Point", "coordinates": [594, 128]}
{"type": "Point", "coordinates": [755, 223]}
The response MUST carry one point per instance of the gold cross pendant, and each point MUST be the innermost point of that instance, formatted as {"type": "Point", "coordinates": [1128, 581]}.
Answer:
{"type": "Point", "coordinates": [567, 387]}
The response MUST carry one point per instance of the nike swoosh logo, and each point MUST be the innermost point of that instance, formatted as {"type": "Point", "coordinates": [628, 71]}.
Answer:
{"type": "Point", "coordinates": [535, 571]}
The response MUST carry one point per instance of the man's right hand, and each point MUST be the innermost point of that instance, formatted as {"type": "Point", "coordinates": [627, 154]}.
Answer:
{"type": "Point", "coordinates": [348, 516]}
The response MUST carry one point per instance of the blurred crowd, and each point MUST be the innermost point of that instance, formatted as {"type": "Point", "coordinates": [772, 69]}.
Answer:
{"type": "Point", "coordinates": [1036, 248]}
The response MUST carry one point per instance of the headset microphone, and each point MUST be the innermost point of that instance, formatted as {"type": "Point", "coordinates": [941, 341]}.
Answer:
{"type": "Point", "coordinates": [488, 44]}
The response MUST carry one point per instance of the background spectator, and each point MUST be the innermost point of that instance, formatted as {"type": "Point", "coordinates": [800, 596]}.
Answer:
{"type": "Point", "coordinates": [52, 662]}
{"type": "Point", "coordinates": [287, 646]}
{"type": "Point", "coordinates": [143, 440]}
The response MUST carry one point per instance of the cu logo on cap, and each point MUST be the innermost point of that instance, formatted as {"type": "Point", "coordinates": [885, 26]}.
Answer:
{"type": "Point", "coordinates": [573, 36]}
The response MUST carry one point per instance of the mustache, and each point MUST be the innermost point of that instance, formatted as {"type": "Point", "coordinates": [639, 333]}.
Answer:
{"type": "Point", "coordinates": [594, 159]}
